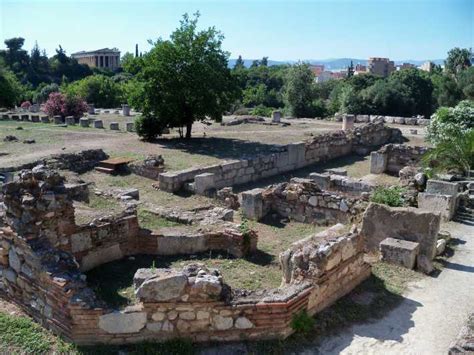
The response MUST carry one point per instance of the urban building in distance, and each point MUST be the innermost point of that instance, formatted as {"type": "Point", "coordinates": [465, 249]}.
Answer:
{"type": "Point", "coordinates": [380, 66]}
{"type": "Point", "coordinates": [427, 66]}
{"type": "Point", "coordinates": [100, 58]}
{"type": "Point", "coordinates": [317, 69]}
{"type": "Point", "coordinates": [360, 69]}
{"type": "Point", "coordinates": [405, 66]}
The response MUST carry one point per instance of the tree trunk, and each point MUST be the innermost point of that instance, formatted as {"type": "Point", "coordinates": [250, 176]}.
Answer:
{"type": "Point", "coordinates": [189, 127]}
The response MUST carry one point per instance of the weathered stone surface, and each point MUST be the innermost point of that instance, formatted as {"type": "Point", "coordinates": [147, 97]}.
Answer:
{"type": "Point", "coordinates": [84, 122]}
{"type": "Point", "coordinates": [399, 252]}
{"type": "Point", "coordinates": [114, 126]}
{"type": "Point", "coordinates": [243, 323]}
{"type": "Point", "coordinates": [80, 242]}
{"type": "Point", "coordinates": [14, 260]}
{"type": "Point", "coordinates": [101, 256]}
{"type": "Point", "coordinates": [252, 204]}
{"type": "Point", "coordinates": [322, 180]}
{"type": "Point", "coordinates": [167, 285]}
{"type": "Point", "coordinates": [380, 222]}
{"type": "Point", "coordinates": [120, 323]}
{"type": "Point", "coordinates": [424, 264]}
{"type": "Point", "coordinates": [378, 162]}
{"type": "Point", "coordinates": [445, 205]}
{"type": "Point", "coordinates": [442, 187]}
{"type": "Point", "coordinates": [222, 323]}
{"type": "Point", "coordinates": [204, 182]}
{"type": "Point", "coordinates": [98, 124]}
{"type": "Point", "coordinates": [440, 246]}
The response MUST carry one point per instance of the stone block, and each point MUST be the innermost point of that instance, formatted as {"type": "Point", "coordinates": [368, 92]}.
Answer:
{"type": "Point", "coordinates": [90, 109]}
{"type": "Point", "coordinates": [35, 118]}
{"type": "Point", "coordinates": [222, 323]}
{"type": "Point", "coordinates": [175, 240]}
{"type": "Point", "coordinates": [84, 122]}
{"type": "Point", "coordinates": [399, 120]}
{"type": "Point", "coordinates": [378, 162]}
{"type": "Point", "coordinates": [442, 187]}
{"type": "Point", "coordinates": [130, 126]}
{"type": "Point", "coordinates": [114, 126]}
{"type": "Point", "coordinates": [323, 181]}
{"type": "Point", "coordinates": [445, 205]}
{"type": "Point", "coordinates": [252, 204]}
{"type": "Point", "coordinates": [412, 224]}
{"type": "Point", "coordinates": [121, 323]}
{"type": "Point", "coordinates": [58, 120]}
{"type": "Point", "coordinates": [399, 252]}
{"type": "Point", "coordinates": [296, 154]}
{"type": "Point", "coordinates": [44, 119]}
{"type": "Point", "coordinates": [166, 285]}
{"type": "Point", "coordinates": [125, 110]}
{"type": "Point", "coordinates": [204, 182]}
{"type": "Point", "coordinates": [348, 122]}
{"type": "Point", "coordinates": [70, 121]}
{"type": "Point", "coordinates": [80, 242]}
{"type": "Point", "coordinates": [101, 256]}
{"type": "Point", "coordinates": [411, 121]}
{"type": "Point", "coordinates": [422, 122]}
{"type": "Point", "coordinates": [98, 124]}
{"type": "Point", "coordinates": [276, 116]}
{"type": "Point", "coordinates": [362, 118]}
{"type": "Point", "coordinates": [338, 171]}
{"type": "Point", "coordinates": [25, 117]}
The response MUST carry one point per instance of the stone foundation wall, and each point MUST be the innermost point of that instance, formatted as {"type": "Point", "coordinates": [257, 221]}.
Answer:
{"type": "Point", "coordinates": [290, 157]}
{"type": "Point", "coordinates": [392, 158]}
{"type": "Point", "coordinates": [39, 272]}
{"type": "Point", "coordinates": [303, 201]}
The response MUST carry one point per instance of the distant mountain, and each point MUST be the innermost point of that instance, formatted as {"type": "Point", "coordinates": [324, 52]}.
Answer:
{"type": "Point", "coordinates": [336, 63]}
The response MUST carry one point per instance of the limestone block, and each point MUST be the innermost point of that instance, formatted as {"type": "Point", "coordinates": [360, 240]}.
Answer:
{"type": "Point", "coordinates": [175, 240]}
{"type": "Point", "coordinates": [90, 109]}
{"type": "Point", "coordinates": [338, 171]}
{"type": "Point", "coordinates": [201, 315]}
{"type": "Point", "coordinates": [167, 285]}
{"type": "Point", "coordinates": [98, 124]}
{"type": "Point", "coordinates": [222, 323]}
{"type": "Point", "coordinates": [413, 224]}
{"type": "Point", "coordinates": [125, 110]}
{"type": "Point", "coordinates": [296, 154]}
{"type": "Point", "coordinates": [362, 118]}
{"type": "Point", "coordinates": [58, 120]}
{"type": "Point", "coordinates": [35, 118]}
{"type": "Point", "coordinates": [114, 126]}
{"type": "Point", "coordinates": [189, 315]}
{"type": "Point", "coordinates": [101, 256]}
{"type": "Point", "coordinates": [120, 323]}
{"type": "Point", "coordinates": [442, 187]}
{"type": "Point", "coordinates": [154, 326]}
{"type": "Point", "coordinates": [252, 204]}
{"type": "Point", "coordinates": [243, 323]}
{"type": "Point", "coordinates": [348, 122]}
{"type": "Point", "coordinates": [399, 252]}
{"type": "Point", "coordinates": [399, 120]}
{"type": "Point", "coordinates": [276, 116]}
{"type": "Point", "coordinates": [44, 119]}
{"type": "Point", "coordinates": [424, 264]}
{"type": "Point", "coordinates": [323, 181]}
{"type": "Point", "coordinates": [204, 182]}
{"type": "Point", "coordinates": [84, 122]}
{"type": "Point", "coordinates": [70, 121]}
{"type": "Point", "coordinates": [25, 117]}
{"type": "Point", "coordinates": [445, 205]}
{"type": "Point", "coordinates": [411, 121]}
{"type": "Point", "coordinates": [378, 162]}
{"type": "Point", "coordinates": [422, 122]}
{"type": "Point", "coordinates": [440, 246]}
{"type": "Point", "coordinates": [130, 126]}
{"type": "Point", "coordinates": [80, 242]}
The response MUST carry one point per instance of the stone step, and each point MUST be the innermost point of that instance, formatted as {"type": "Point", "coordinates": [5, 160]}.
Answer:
{"type": "Point", "coordinates": [104, 170]}
{"type": "Point", "coordinates": [463, 221]}
{"type": "Point", "coordinates": [465, 215]}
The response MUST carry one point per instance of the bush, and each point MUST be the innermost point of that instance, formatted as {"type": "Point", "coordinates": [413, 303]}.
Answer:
{"type": "Point", "coordinates": [25, 105]}
{"type": "Point", "coordinates": [61, 105]}
{"type": "Point", "coordinates": [42, 95]}
{"type": "Point", "coordinates": [391, 196]}
{"type": "Point", "coordinates": [302, 322]}
{"type": "Point", "coordinates": [99, 90]}
{"type": "Point", "coordinates": [261, 110]}
{"type": "Point", "coordinates": [149, 128]}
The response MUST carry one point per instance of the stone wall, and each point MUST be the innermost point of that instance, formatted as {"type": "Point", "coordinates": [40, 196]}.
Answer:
{"type": "Point", "coordinates": [40, 272]}
{"type": "Point", "coordinates": [419, 120]}
{"type": "Point", "coordinates": [290, 157]}
{"type": "Point", "coordinates": [392, 158]}
{"type": "Point", "coordinates": [302, 200]}
{"type": "Point", "coordinates": [333, 182]}
{"type": "Point", "coordinates": [79, 162]}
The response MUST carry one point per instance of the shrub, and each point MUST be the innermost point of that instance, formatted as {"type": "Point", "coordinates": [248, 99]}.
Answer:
{"type": "Point", "coordinates": [391, 196]}
{"type": "Point", "coordinates": [149, 128]}
{"type": "Point", "coordinates": [70, 105]}
{"type": "Point", "coordinates": [261, 110]}
{"type": "Point", "coordinates": [100, 90]}
{"type": "Point", "coordinates": [25, 105]}
{"type": "Point", "coordinates": [302, 322]}
{"type": "Point", "coordinates": [42, 95]}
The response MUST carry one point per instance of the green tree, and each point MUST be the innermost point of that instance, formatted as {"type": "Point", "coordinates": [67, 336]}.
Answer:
{"type": "Point", "coordinates": [458, 60]}
{"type": "Point", "coordinates": [466, 83]}
{"type": "Point", "coordinates": [446, 91]}
{"type": "Point", "coordinates": [131, 64]}
{"type": "Point", "coordinates": [11, 90]}
{"type": "Point", "coordinates": [298, 91]}
{"type": "Point", "coordinates": [351, 102]}
{"type": "Point", "coordinates": [186, 79]}
{"type": "Point", "coordinates": [239, 63]}
{"type": "Point", "coordinates": [99, 90]}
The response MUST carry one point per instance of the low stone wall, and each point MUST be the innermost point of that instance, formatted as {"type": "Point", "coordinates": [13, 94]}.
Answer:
{"type": "Point", "coordinates": [419, 120]}
{"type": "Point", "coordinates": [290, 157]}
{"type": "Point", "coordinates": [392, 158]}
{"type": "Point", "coordinates": [302, 200]}
{"type": "Point", "coordinates": [79, 162]}
{"type": "Point", "coordinates": [332, 182]}
{"type": "Point", "coordinates": [39, 274]}
{"type": "Point", "coordinates": [415, 225]}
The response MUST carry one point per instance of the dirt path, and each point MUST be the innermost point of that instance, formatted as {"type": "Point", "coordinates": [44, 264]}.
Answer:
{"type": "Point", "coordinates": [427, 321]}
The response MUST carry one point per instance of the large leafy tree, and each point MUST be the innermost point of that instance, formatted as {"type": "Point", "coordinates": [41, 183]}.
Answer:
{"type": "Point", "coordinates": [99, 90]}
{"type": "Point", "coordinates": [299, 90]}
{"type": "Point", "coordinates": [186, 78]}
{"type": "Point", "coordinates": [458, 60]}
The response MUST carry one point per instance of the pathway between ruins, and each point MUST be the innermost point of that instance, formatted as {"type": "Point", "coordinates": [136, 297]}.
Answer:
{"type": "Point", "coordinates": [427, 321]}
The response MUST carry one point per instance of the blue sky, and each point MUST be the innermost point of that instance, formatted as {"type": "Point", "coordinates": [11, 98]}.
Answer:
{"type": "Point", "coordinates": [281, 30]}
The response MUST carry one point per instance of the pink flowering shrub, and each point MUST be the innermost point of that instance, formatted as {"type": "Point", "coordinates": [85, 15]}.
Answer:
{"type": "Point", "coordinates": [25, 105]}
{"type": "Point", "coordinates": [61, 105]}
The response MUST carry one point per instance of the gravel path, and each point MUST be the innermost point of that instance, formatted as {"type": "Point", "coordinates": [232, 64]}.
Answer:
{"type": "Point", "coordinates": [430, 317]}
